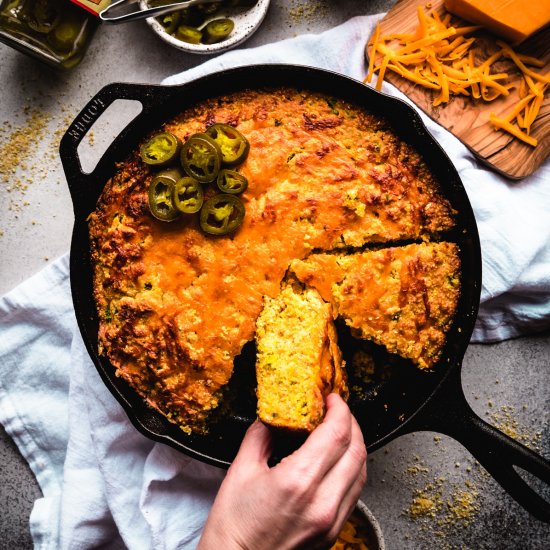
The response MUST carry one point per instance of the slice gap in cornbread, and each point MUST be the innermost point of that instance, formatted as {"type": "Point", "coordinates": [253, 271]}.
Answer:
{"type": "Point", "coordinates": [298, 359]}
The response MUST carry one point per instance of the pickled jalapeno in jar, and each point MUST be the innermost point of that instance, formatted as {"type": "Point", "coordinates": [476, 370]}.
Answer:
{"type": "Point", "coordinates": [54, 31]}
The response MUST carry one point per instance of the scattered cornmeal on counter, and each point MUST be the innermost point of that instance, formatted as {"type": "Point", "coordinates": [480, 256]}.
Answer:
{"type": "Point", "coordinates": [298, 360]}
{"type": "Point", "coordinates": [177, 305]}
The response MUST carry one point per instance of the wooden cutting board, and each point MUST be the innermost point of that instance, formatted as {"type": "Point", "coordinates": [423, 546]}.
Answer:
{"type": "Point", "coordinates": [468, 119]}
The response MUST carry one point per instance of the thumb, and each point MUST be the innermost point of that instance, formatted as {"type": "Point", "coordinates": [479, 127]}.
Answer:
{"type": "Point", "coordinates": [255, 448]}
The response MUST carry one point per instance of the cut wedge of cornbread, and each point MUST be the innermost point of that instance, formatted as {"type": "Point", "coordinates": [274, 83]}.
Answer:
{"type": "Point", "coordinates": [298, 359]}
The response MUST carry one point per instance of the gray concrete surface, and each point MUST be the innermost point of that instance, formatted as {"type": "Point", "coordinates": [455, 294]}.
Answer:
{"type": "Point", "coordinates": [507, 384]}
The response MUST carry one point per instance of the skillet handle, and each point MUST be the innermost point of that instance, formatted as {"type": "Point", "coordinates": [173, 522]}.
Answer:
{"type": "Point", "coordinates": [81, 183]}
{"type": "Point", "coordinates": [449, 413]}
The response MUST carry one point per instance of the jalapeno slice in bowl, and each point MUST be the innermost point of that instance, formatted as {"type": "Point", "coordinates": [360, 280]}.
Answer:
{"type": "Point", "coordinates": [188, 195]}
{"type": "Point", "coordinates": [188, 34]}
{"type": "Point", "coordinates": [201, 158]}
{"type": "Point", "coordinates": [217, 30]}
{"type": "Point", "coordinates": [232, 182]}
{"type": "Point", "coordinates": [161, 149]}
{"type": "Point", "coordinates": [170, 21]}
{"type": "Point", "coordinates": [233, 145]}
{"type": "Point", "coordinates": [161, 191]}
{"type": "Point", "coordinates": [44, 17]}
{"type": "Point", "coordinates": [221, 214]}
{"type": "Point", "coordinates": [65, 34]}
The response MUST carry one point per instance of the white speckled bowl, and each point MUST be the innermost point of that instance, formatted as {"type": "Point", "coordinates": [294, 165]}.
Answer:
{"type": "Point", "coordinates": [376, 538]}
{"type": "Point", "coordinates": [246, 22]}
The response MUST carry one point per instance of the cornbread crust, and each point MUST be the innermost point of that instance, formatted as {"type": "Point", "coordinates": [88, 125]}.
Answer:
{"type": "Point", "coordinates": [298, 360]}
{"type": "Point", "coordinates": [176, 306]}
{"type": "Point", "coordinates": [403, 298]}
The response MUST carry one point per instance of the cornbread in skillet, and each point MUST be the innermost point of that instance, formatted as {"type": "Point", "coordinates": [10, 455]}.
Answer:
{"type": "Point", "coordinates": [402, 298]}
{"type": "Point", "coordinates": [298, 360]}
{"type": "Point", "coordinates": [177, 306]}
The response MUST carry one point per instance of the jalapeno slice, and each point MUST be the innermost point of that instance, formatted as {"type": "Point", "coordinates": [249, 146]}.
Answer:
{"type": "Point", "coordinates": [217, 30]}
{"type": "Point", "coordinates": [65, 34]}
{"type": "Point", "coordinates": [233, 145]}
{"type": "Point", "coordinates": [188, 196]}
{"type": "Point", "coordinates": [232, 182]}
{"type": "Point", "coordinates": [161, 149]}
{"type": "Point", "coordinates": [201, 158]}
{"type": "Point", "coordinates": [170, 21]}
{"type": "Point", "coordinates": [160, 195]}
{"type": "Point", "coordinates": [45, 16]}
{"type": "Point", "coordinates": [221, 214]}
{"type": "Point", "coordinates": [189, 34]}
{"type": "Point", "coordinates": [173, 174]}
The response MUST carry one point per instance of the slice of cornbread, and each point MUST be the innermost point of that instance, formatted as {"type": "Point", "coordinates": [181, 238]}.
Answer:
{"type": "Point", "coordinates": [298, 359]}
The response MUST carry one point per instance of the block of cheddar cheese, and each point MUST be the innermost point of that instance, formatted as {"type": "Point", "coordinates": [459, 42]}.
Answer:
{"type": "Point", "coordinates": [514, 20]}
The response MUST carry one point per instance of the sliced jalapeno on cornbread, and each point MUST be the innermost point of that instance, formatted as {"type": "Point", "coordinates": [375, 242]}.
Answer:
{"type": "Point", "coordinates": [173, 174]}
{"type": "Point", "coordinates": [161, 149]}
{"type": "Point", "coordinates": [233, 145]}
{"type": "Point", "coordinates": [232, 182]}
{"type": "Point", "coordinates": [201, 158]}
{"type": "Point", "coordinates": [217, 30]}
{"type": "Point", "coordinates": [188, 196]}
{"type": "Point", "coordinates": [161, 191]}
{"type": "Point", "coordinates": [221, 214]}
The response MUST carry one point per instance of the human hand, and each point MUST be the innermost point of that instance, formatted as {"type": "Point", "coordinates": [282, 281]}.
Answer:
{"type": "Point", "coordinates": [303, 501]}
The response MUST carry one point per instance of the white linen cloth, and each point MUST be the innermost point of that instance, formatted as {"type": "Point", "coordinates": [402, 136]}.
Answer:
{"type": "Point", "coordinates": [106, 485]}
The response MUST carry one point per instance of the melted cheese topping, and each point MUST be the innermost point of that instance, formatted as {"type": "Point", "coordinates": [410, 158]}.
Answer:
{"type": "Point", "coordinates": [176, 306]}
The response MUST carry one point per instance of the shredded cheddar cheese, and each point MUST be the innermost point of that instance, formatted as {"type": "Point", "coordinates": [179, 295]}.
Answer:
{"type": "Point", "coordinates": [503, 124]}
{"type": "Point", "coordinates": [350, 537]}
{"type": "Point", "coordinates": [439, 56]}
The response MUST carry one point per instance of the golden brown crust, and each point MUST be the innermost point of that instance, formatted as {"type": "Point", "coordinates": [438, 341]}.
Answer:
{"type": "Point", "coordinates": [176, 306]}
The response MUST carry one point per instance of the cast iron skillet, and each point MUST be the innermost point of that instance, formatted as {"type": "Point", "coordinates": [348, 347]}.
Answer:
{"type": "Point", "coordinates": [408, 402]}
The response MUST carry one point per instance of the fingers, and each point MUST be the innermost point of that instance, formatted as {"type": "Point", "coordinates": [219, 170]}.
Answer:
{"type": "Point", "coordinates": [327, 443]}
{"type": "Point", "coordinates": [317, 486]}
{"type": "Point", "coordinates": [255, 448]}
{"type": "Point", "coordinates": [349, 474]}
{"type": "Point", "coordinates": [346, 508]}
{"type": "Point", "coordinates": [342, 485]}
{"type": "Point", "coordinates": [335, 400]}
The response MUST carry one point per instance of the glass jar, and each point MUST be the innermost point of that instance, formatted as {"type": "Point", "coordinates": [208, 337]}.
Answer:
{"type": "Point", "coordinates": [55, 31]}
